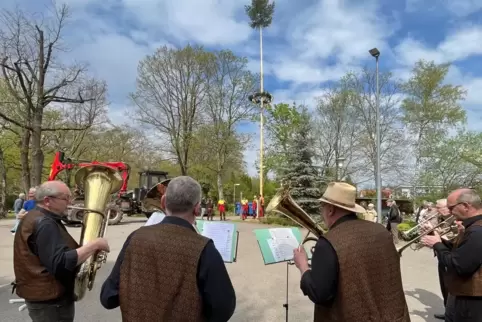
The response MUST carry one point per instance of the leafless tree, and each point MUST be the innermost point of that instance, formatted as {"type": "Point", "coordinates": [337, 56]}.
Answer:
{"type": "Point", "coordinates": [362, 88]}
{"type": "Point", "coordinates": [35, 79]}
{"type": "Point", "coordinates": [227, 105]}
{"type": "Point", "coordinates": [337, 134]}
{"type": "Point", "coordinates": [171, 91]}
{"type": "Point", "coordinates": [86, 117]}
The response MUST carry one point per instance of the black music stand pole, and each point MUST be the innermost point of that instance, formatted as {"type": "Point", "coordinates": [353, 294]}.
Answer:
{"type": "Point", "coordinates": [287, 281]}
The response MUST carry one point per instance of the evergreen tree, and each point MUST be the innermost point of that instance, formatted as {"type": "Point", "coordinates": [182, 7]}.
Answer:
{"type": "Point", "coordinates": [300, 175]}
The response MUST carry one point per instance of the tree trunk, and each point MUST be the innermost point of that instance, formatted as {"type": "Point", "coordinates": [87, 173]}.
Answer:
{"type": "Point", "coordinates": [37, 153]}
{"type": "Point", "coordinates": [3, 183]}
{"type": "Point", "coordinates": [24, 159]}
{"type": "Point", "coordinates": [220, 185]}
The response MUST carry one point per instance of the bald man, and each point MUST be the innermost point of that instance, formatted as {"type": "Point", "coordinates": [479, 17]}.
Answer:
{"type": "Point", "coordinates": [46, 256]}
{"type": "Point", "coordinates": [462, 258]}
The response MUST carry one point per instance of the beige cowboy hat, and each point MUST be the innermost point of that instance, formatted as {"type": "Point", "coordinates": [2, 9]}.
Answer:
{"type": "Point", "coordinates": [342, 195]}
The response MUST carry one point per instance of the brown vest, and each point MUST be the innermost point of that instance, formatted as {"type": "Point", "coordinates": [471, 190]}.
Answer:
{"type": "Point", "coordinates": [369, 282]}
{"type": "Point", "coordinates": [467, 285]}
{"type": "Point", "coordinates": [158, 279]}
{"type": "Point", "coordinates": [33, 281]}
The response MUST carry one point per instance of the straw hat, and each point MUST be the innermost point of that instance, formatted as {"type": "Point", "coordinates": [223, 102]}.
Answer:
{"type": "Point", "coordinates": [342, 195]}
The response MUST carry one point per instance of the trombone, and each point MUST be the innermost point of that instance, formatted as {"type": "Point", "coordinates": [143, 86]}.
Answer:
{"type": "Point", "coordinates": [415, 244]}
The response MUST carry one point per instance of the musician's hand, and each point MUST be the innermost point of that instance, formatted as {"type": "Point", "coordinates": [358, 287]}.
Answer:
{"type": "Point", "coordinates": [429, 241]}
{"type": "Point", "coordinates": [301, 259]}
{"type": "Point", "coordinates": [101, 244]}
{"type": "Point", "coordinates": [460, 227]}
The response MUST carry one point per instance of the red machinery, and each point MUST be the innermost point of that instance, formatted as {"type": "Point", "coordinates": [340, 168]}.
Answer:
{"type": "Point", "coordinates": [61, 163]}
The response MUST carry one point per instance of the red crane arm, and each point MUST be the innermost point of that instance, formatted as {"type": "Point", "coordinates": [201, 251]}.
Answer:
{"type": "Point", "coordinates": [58, 165]}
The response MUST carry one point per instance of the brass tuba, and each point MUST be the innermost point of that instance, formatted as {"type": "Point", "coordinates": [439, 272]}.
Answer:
{"type": "Point", "coordinates": [283, 203]}
{"type": "Point", "coordinates": [98, 183]}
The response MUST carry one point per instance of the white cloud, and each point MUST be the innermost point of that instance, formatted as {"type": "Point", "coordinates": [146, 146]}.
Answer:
{"type": "Point", "coordinates": [460, 44]}
{"type": "Point", "coordinates": [327, 39]}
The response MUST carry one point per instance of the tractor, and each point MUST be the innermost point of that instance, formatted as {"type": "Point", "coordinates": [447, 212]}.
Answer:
{"type": "Point", "coordinates": [130, 202]}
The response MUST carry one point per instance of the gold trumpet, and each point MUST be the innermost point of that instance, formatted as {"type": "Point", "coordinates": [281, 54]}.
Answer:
{"type": "Point", "coordinates": [415, 244]}
{"type": "Point", "coordinates": [420, 225]}
{"type": "Point", "coordinates": [284, 204]}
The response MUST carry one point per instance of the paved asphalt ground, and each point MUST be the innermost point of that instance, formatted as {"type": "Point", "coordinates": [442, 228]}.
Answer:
{"type": "Point", "coordinates": [260, 289]}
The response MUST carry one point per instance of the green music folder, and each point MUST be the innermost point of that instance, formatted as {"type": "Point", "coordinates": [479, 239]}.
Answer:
{"type": "Point", "coordinates": [224, 235]}
{"type": "Point", "coordinates": [277, 244]}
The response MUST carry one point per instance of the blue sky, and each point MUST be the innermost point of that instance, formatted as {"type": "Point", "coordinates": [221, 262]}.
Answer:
{"type": "Point", "coordinates": [310, 44]}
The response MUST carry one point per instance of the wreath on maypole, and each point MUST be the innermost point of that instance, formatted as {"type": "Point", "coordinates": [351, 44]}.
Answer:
{"type": "Point", "coordinates": [259, 97]}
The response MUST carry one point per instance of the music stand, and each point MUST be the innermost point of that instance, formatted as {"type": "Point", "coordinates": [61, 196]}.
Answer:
{"type": "Point", "coordinates": [286, 305]}
{"type": "Point", "coordinates": [236, 248]}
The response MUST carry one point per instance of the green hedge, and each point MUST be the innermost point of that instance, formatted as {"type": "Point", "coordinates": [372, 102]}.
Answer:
{"type": "Point", "coordinates": [404, 226]}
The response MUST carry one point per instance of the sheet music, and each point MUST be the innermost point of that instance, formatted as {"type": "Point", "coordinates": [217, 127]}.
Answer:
{"type": "Point", "coordinates": [282, 248]}
{"type": "Point", "coordinates": [222, 236]}
{"type": "Point", "coordinates": [282, 233]}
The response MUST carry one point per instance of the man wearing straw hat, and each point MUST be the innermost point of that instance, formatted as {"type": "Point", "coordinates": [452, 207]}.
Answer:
{"type": "Point", "coordinates": [355, 269]}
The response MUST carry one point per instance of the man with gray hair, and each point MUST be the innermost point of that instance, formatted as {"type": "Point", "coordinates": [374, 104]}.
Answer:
{"type": "Point", "coordinates": [462, 258]}
{"type": "Point", "coordinates": [169, 272]}
{"type": "Point", "coordinates": [46, 256]}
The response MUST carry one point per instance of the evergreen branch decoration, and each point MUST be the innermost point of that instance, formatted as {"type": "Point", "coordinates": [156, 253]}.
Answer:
{"type": "Point", "coordinates": [261, 13]}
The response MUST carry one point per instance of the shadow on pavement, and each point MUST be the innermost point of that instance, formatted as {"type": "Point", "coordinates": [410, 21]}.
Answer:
{"type": "Point", "coordinates": [432, 302]}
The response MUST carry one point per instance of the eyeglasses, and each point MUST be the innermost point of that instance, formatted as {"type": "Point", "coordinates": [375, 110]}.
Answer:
{"type": "Point", "coordinates": [65, 198]}
{"type": "Point", "coordinates": [450, 208]}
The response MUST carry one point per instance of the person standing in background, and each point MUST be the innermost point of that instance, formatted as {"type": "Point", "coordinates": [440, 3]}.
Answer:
{"type": "Point", "coordinates": [203, 208]}
{"type": "Point", "coordinates": [244, 208]}
{"type": "Point", "coordinates": [371, 213]}
{"type": "Point", "coordinates": [210, 209]}
{"type": "Point", "coordinates": [255, 207]}
{"type": "Point", "coordinates": [261, 206]}
{"type": "Point", "coordinates": [222, 209]}
{"type": "Point", "coordinates": [394, 219]}
{"type": "Point", "coordinates": [17, 207]}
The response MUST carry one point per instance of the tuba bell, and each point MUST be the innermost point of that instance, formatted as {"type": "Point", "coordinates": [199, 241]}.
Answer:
{"type": "Point", "coordinates": [98, 183]}
{"type": "Point", "coordinates": [284, 204]}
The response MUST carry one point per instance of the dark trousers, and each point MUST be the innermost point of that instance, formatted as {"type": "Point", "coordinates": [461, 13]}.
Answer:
{"type": "Point", "coordinates": [61, 311]}
{"type": "Point", "coordinates": [463, 309]}
{"type": "Point", "coordinates": [441, 273]}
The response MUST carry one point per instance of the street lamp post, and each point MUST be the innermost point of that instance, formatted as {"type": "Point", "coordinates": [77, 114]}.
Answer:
{"type": "Point", "coordinates": [234, 195]}
{"type": "Point", "coordinates": [339, 166]}
{"type": "Point", "coordinates": [376, 53]}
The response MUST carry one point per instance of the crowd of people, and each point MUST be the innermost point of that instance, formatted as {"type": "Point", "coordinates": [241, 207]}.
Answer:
{"type": "Point", "coordinates": [354, 274]}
